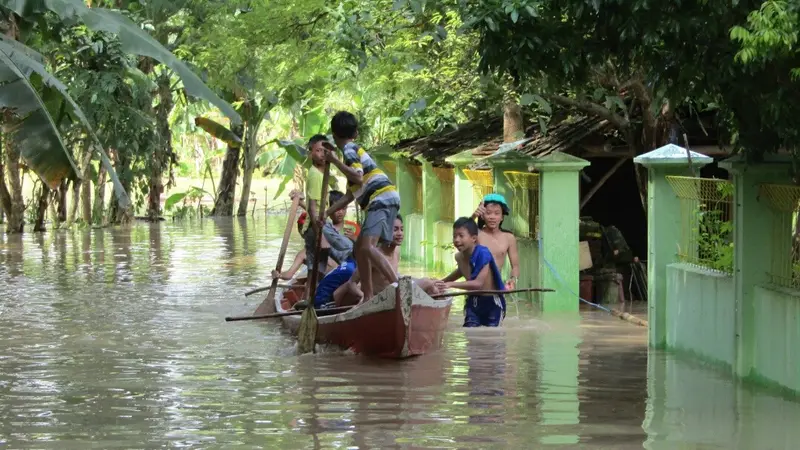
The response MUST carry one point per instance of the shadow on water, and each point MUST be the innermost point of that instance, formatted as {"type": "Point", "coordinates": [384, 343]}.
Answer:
{"type": "Point", "coordinates": [114, 338]}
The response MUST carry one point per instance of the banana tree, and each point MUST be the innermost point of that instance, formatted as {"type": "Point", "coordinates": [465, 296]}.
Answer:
{"type": "Point", "coordinates": [29, 122]}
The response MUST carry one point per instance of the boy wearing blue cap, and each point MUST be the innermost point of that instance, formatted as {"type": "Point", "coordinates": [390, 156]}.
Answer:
{"type": "Point", "coordinates": [490, 214]}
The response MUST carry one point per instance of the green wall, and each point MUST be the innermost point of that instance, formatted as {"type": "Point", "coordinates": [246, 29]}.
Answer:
{"type": "Point", "coordinates": [700, 314]}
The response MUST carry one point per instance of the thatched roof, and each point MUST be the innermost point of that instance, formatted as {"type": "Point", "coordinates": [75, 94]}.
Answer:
{"type": "Point", "coordinates": [484, 138]}
{"type": "Point", "coordinates": [564, 136]}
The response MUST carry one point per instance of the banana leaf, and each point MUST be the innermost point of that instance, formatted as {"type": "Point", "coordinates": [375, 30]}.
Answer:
{"type": "Point", "coordinates": [132, 38]}
{"type": "Point", "coordinates": [219, 131]}
{"type": "Point", "coordinates": [37, 134]}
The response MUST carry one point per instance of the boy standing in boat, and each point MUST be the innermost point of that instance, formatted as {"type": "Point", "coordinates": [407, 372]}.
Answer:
{"type": "Point", "coordinates": [313, 202]}
{"type": "Point", "coordinates": [374, 192]}
{"type": "Point", "coordinates": [477, 265]}
{"type": "Point", "coordinates": [490, 214]}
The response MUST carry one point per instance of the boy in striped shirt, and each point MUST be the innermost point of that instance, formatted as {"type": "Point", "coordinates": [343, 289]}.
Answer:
{"type": "Point", "coordinates": [375, 193]}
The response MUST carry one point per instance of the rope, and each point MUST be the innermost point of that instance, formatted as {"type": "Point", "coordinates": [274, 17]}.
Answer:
{"type": "Point", "coordinates": [564, 283]}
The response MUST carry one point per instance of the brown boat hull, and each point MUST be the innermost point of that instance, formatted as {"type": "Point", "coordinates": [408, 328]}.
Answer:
{"type": "Point", "coordinates": [399, 322]}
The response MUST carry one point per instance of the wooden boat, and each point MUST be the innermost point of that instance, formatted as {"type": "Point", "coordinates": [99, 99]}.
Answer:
{"type": "Point", "coordinates": [399, 322]}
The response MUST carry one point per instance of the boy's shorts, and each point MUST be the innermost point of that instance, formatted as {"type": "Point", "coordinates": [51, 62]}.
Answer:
{"type": "Point", "coordinates": [380, 223]}
{"type": "Point", "coordinates": [483, 311]}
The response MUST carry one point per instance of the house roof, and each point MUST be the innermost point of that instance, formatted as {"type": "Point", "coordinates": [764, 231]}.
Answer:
{"type": "Point", "coordinates": [573, 134]}
{"type": "Point", "coordinates": [484, 138]}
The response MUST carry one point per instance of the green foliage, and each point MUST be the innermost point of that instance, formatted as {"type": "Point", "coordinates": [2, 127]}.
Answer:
{"type": "Point", "coordinates": [715, 240]}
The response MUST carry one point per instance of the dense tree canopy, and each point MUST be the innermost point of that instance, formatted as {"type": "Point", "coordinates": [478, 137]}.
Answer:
{"type": "Point", "coordinates": [125, 82]}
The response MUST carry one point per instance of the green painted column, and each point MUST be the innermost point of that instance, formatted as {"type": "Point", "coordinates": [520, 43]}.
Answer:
{"type": "Point", "coordinates": [501, 184]}
{"type": "Point", "coordinates": [663, 229]}
{"type": "Point", "coordinates": [432, 205]}
{"type": "Point", "coordinates": [405, 186]}
{"type": "Point", "coordinates": [559, 220]}
{"type": "Point", "coordinates": [466, 201]}
{"type": "Point", "coordinates": [752, 228]}
{"type": "Point", "coordinates": [465, 194]}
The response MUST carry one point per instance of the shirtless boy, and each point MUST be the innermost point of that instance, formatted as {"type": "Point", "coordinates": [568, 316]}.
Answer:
{"type": "Point", "coordinates": [350, 294]}
{"type": "Point", "coordinates": [501, 243]}
{"type": "Point", "coordinates": [481, 273]}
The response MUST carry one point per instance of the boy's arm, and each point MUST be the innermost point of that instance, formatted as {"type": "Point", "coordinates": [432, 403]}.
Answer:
{"type": "Point", "coordinates": [513, 257]}
{"type": "Point", "coordinates": [454, 275]}
{"type": "Point", "coordinates": [298, 261]}
{"type": "Point", "coordinates": [341, 203]}
{"type": "Point", "coordinates": [312, 212]}
{"type": "Point", "coordinates": [350, 167]}
{"type": "Point", "coordinates": [472, 285]}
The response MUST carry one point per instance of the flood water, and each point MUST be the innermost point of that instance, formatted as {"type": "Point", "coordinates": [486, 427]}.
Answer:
{"type": "Point", "coordinates": [115, 339]}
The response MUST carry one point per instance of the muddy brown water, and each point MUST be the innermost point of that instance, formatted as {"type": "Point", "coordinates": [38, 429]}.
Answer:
{"type": "Point", "coordinates": [115, 339]}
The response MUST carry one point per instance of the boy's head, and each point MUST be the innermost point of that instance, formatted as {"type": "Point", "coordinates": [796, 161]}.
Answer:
{"type": "Point", "coordinates": [465, 234]}
{"type": "Point", "coordinates": [398, 234]}
{"type": "Point", "coordinates": [316, 150]}
{"type": "Point", "coordinates": [338, 216]}
{"type": "Point", "coordinates": [344, 127]}
{"type": "Point", "coordinates": [496, 209]}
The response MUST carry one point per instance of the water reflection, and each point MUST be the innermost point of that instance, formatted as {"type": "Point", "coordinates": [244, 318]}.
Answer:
{"type": "Point", "coordinates": [115, 338]}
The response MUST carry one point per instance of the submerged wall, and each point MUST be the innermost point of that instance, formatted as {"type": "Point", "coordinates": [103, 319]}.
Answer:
{"type": "Point", "coordinates": [777, 337]}
{"type": "Point", "coordinates": [701, 313]}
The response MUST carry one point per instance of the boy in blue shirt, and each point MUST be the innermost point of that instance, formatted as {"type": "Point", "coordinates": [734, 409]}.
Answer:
{"type": "Point", "coordinates": [477, 265]}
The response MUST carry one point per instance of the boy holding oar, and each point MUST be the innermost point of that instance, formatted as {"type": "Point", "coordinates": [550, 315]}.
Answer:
{"type": "Point", "coordinates": [374, 192]}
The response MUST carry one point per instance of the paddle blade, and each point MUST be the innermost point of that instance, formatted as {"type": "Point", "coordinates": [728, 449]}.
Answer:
{"type": "Point", "coordinates": [307, 332]}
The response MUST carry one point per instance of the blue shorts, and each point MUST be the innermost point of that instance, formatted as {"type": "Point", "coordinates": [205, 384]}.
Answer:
{"type": "Point", "coordinates": [335, 278]}
{"type": "Point", "coordinates": [483, 311]}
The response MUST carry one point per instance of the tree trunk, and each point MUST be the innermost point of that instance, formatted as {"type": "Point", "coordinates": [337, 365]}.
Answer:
{"type": "Point", "coordinates": [116, 213]}
{"type": "Point", "coordinates": [16, 209]}
{"type": "Point", "coordinates": [163, 153]}
{"type": "Point", "coordinates": [513, 121]}
{"type": "Point", "coordinates": [41, 208]}
{"type": "Point", "coordinates": [250, 149]}
{"type": "Point", "coordinates": [86, 183]}
{"type": "Point", "coordinates": [223, 207]}
{"type": "Point", "coordinates": [98, 211]}
{"type": "Point", "coordinates": [74, 202]}
{"type": "Point", "coordinates": [61, 203]}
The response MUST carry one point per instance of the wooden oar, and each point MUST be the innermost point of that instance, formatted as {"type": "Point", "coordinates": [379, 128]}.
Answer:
{"type": "Point", "coordinates": [322, 312]}
{"type": "Point", "coordinates": [307, 332]}
{"type": "Point", "coordinates": [510, 291]}
{"type": "Point", "coordinates": [268, 305]}
{"type": "Point", "coordinates": [265, 288]}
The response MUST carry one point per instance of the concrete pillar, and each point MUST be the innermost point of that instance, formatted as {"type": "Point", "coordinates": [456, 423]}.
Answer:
{"type": "Point", "coordinates": [405, 186]}
{"type": "Point", "coordinates": [432, 205]}
{"type": "Point", "coordinates": [559, 221]}
{"type": "Point", "coordinates": [663, 228]}
{"type": "Point", "coordinates": [752, 229]}
{"type": "Point", "coordinates": [466, 200]}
